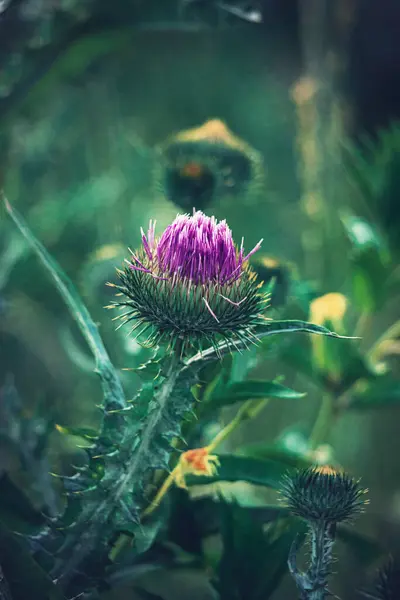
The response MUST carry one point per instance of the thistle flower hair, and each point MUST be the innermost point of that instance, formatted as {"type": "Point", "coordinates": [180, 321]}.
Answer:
{"type": "Point", "coordinates": [193, 284]}
{"type": "Point", "coordinates": [323, 494]}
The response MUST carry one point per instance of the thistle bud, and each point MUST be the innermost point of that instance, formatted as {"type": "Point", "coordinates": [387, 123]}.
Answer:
{"type": "Point", "coordinates": [193, 284]}
{"type": "Point", "coordinates": [322, 494]}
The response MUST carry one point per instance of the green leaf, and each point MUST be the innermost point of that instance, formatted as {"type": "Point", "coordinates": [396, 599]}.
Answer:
{"type": "Point", "coordinates": [378, 393]}
{"type": "Point", "coordinates": [276, 453]}
{"type": "Point", "coordinates": [24, 576]}
{"type": "Point", "coordinates": [364, 548]}
{"type": "Point", "coordinates": [369, 259]}
{"type": "Point", "coordinates": [242, 468]}
{"type": "Point", "coordinates": [270, 328]}
{"type": "Point", "coordinates": [293, 326]}
{"type": "Point", "coordinates": [112, 388]}
{"type": "Point", "coordinates": [254, 560]}
{"type": "Point", "coordinates": [248, 390]}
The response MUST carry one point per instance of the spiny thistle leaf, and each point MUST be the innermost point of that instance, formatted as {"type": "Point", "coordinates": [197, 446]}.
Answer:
{"type": "Point", "coordinates": [134, 440]}
{"type": "Point", "coordinates": [115, 502]}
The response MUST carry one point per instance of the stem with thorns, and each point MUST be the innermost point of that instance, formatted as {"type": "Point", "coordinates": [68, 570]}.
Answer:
{"type": "Point", "coordinates": [313, 584]}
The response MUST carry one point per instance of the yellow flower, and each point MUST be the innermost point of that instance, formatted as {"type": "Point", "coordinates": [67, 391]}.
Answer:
{"type": "Point", "coordinates": [330, 307]}
{"type": "Point", "coordinates": [328, 310]}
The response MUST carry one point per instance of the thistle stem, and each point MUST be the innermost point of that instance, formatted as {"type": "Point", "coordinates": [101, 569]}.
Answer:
{"type": "Point", "coordinates": [322, 540]}
{"type": "Point", "coordinates": [313, 584]}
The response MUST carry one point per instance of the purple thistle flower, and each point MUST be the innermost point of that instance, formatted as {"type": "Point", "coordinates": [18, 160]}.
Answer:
{"type": "Point", "coordinates": [192, 284]}
{"type": "Point", "coordinates": [197, 248]}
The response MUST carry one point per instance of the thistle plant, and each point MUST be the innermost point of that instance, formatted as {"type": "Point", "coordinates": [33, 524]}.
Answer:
{"type": "Point", "coordinates": [323, 497]}
{"type": "Point", "coordinates": [194, 294]}
{"type": "Point", "coordinates": [192, 287]}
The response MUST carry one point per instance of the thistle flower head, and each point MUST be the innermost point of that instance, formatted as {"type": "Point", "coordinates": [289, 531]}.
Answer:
{"type": "Point", "coordinates": [202, 163]}
{"type": "Point", "coordinates": [192, 284]}
{"type": "Point", "coordinates": [323, 494]}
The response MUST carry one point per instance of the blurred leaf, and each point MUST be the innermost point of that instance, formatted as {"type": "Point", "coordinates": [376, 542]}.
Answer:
{"type": "Point", "coordinates": [369, 260]}
{"type": "Point", "coordinates": [379, 393]}
{"type": "Point", "coordinates": [24, 576]}
{"type": "Point", "coordinates": [16, 510]}
{"type": "Point", "coordinates": [344, 356]}
{"type": "Point", "coordinates": [242, 468]}
{"type": "Point", "coordinates": [276, 452]}
{"type": "Point", "coordinates": [111, 384]}
{"type": "Point", "coordinates": [243, 363]}
{"type": "Point", "coordinates": [365, 549]}
{"type": "Point", "coordinates": [253, 561]}
{"type": "Point", "coordinates": [248, 390]}
{"type": "Point", "coordinates": [72, 60]}
{"type": "Point", "coordinates": [298, 356]}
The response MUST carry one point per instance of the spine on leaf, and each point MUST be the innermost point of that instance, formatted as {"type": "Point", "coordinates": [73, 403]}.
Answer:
{"type": "Point", "coordinates": [132, 444]}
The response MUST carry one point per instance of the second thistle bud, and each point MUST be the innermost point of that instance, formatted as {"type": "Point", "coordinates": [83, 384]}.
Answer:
{"type": "Point", "coordinates": [323, 494]}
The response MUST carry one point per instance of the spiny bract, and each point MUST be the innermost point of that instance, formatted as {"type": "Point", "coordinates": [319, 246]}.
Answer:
{"type": "Point", "coordinates": [323, 494]}
{"type": "Point", "coordinates": [192, 285]}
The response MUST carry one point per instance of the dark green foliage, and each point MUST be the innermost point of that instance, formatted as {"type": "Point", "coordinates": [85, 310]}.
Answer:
{"type": "Point", "coordinates": [35, 583]}
{"type": "Point", "coordinates": [254, 558]}
{"type": "Point", "coordinates": [387, 585]}
{"type": "Point", "coordinates": [364, 548]}
{"type": "Point", "coordinates": [323, 494]}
